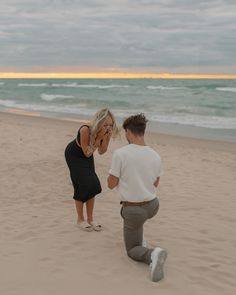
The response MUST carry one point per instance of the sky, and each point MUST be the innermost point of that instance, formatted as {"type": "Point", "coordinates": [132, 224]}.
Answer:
{"type": "Point", "coordinates": [161, 36]}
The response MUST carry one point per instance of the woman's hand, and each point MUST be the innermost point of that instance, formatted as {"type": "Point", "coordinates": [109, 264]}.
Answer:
{"type": "Point", "coordinates": [103, 141]}
{"type": "Point", "coordinates": [103, 132]}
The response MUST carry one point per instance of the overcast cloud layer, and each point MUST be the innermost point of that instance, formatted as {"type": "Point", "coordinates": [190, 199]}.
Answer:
{"type": "Point", "coordinates": [162, 35]}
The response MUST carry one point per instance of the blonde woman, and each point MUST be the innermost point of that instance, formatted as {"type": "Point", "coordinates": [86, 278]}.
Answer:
{"type": "Point", "coordinates": [93, 136]}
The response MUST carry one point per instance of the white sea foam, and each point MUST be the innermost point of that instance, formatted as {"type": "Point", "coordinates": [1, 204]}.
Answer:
{"type": "Point", "coordinates": [228, 89]}
{"type": "Point", "coordinates": [164, 87]}
{"type": "Point", "coordinates": [51, 97]}
{"type": "Point", "coordinates": [64, 85]}
{"type": "Point", "coordinates": [112, 86]}
{"type": "Point", "coordinates": [75, 85]}
{"type": "Point", "coordinates": [32, 84]}
{"type": "Point", "coordinates": [7, 103]}
{"type": "Point", "coordinates": [212, 122]}
{"type": "Point", "coordinates": [78, 108]}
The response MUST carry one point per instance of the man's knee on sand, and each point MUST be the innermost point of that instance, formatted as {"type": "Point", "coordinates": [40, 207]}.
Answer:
{"type": "Point", "coordinates": [130, 254]}
{"type": "Point", "coordinates": [140, 254]}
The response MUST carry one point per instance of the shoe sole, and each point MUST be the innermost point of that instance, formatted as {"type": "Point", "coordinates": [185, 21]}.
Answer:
{"type": "Point", "coordinates": [157, 272]}
{"type": "Point", "coordinates": [88, 229]}
{"type": "Point", "coordinates": [97, 228]}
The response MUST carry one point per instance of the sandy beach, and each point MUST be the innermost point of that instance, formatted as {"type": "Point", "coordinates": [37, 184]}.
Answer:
{"type": "Point", "coordinates": [44, 253]}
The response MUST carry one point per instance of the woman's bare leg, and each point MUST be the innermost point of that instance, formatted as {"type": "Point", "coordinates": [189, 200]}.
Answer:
{"type": "Point", "coordinates": [79, 208]}
{"type": "Point", "coordinates": [89, 207]}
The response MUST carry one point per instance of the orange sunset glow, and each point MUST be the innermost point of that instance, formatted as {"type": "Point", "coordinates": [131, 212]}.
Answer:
{"type": "Point", "coordinates": [107, 75]}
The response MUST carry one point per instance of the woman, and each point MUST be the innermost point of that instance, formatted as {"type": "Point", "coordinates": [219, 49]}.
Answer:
{"type": "Point", "coordinates": [94, 136]}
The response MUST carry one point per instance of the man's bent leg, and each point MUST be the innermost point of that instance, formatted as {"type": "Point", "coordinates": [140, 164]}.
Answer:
{"type": "Point", "coordinates": [134, 218]}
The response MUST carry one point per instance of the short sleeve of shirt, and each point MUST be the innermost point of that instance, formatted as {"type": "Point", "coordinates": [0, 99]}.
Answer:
{"type": "Point", "coordinates": [115, 165]}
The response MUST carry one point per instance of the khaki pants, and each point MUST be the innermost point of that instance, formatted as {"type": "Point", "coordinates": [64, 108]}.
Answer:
{"type": "Point", "coordinates": [134, 218]}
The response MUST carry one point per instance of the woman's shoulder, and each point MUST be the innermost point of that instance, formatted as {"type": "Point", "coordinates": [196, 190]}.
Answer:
{"type": "Point", "coordinates": [85, 126]}
{"type": "Point", "coordinates": [83, 129]}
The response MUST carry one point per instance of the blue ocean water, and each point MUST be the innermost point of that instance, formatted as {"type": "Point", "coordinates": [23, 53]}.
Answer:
{"type": "Point", "coordinates": [194, 105]}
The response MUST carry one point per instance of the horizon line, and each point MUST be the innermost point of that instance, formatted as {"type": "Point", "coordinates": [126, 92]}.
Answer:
{"type": "Point", "coordinates": [107, 75]}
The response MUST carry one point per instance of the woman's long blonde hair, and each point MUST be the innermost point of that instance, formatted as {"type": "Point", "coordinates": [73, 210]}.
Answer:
{"type": "Point", "coordinates": [97, 122]}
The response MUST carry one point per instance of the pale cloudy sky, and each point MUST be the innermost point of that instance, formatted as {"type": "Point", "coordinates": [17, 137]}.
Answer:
{"type": "Point", "coordinates": [177, 36]}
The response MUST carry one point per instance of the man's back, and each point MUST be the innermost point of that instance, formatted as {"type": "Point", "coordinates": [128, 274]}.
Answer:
{"type": "Point", "coordinates": [137, 167]}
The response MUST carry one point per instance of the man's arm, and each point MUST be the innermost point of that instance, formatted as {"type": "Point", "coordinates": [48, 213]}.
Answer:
{"type": "Point", "coordinates": [115, 171]}
{"type": "Point", "coordinates": [112, 181]}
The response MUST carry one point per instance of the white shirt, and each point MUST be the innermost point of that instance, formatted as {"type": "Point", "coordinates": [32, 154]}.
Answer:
{"type": "Point", "coordinates": [137, 167]}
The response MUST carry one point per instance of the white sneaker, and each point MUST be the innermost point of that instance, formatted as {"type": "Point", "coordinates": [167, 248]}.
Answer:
{"type": "Point", "coordinates": [144, 242]}
{"type": "Point", "coordinates": [158, 258]}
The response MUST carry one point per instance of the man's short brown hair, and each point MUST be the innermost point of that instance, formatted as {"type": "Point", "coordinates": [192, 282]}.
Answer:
{"type": "Point", "coordinates": [136, 124]}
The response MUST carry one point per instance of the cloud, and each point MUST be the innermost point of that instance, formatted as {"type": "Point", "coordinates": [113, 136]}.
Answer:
{"type": "Point", "coordinates": [132, 34]}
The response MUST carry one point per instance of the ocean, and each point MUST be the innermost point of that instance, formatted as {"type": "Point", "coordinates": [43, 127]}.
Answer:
{"type": "Point", "coordinates": [192, 107]}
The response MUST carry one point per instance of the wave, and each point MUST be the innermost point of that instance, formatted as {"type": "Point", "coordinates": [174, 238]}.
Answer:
{"type": "Point", "coordinates": [51, 97]}
{"type": "Point", "coordinates": [32, 84]}
{"type": "Point", "coordinates": [2, 83]}
{"type": "Point", "coordinates": [228, 89]}
{"type": "Point", "coordinates": [212, 122]}
{"type": "Point", "coordinates": [79, 108]}
{"type": "Point", "coordinates": [165, 87]}
{"type": "Point", "coordinates": [75, 85]}
{"type": "Point", "coordinates": [7, 103]}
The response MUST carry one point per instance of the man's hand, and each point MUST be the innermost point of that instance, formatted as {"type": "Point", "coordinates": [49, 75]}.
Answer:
{"type": "Point", "coordinates": [112, 181]}
{"type": "Point", "coordinates": [156, 183]}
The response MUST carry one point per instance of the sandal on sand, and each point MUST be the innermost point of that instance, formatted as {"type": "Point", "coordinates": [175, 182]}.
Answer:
{"type": "Point", "coordinates": [84, 225]}
{"type": "Point", "coordinates": [96, 226]}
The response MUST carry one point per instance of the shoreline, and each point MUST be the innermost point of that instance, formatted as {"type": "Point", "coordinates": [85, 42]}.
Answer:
{"type": "Point", "coordinates": [198, 109]}
{"type": "Point", "coordinates": [166, 128]}
{"type": "Point", "coordinates": [152, 137]}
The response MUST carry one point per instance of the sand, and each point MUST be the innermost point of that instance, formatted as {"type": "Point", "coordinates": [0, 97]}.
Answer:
{"type": "Point", "coordinates": [44, 253]}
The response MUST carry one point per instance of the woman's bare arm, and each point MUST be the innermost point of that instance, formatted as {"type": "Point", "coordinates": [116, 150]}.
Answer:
{"type": "Point", "coordinates": [85, 142]}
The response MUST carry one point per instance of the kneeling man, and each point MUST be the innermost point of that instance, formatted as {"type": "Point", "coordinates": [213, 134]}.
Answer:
{"type": "Point", "coordinates": [135, 171]}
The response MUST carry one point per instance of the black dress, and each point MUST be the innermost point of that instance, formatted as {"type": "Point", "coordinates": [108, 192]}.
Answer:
{"type": "Point", "coordinates": [82, 172]}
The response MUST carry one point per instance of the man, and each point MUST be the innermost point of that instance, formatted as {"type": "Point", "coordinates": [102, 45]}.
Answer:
{"type": "Point", "coordinates": [136, 171]}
